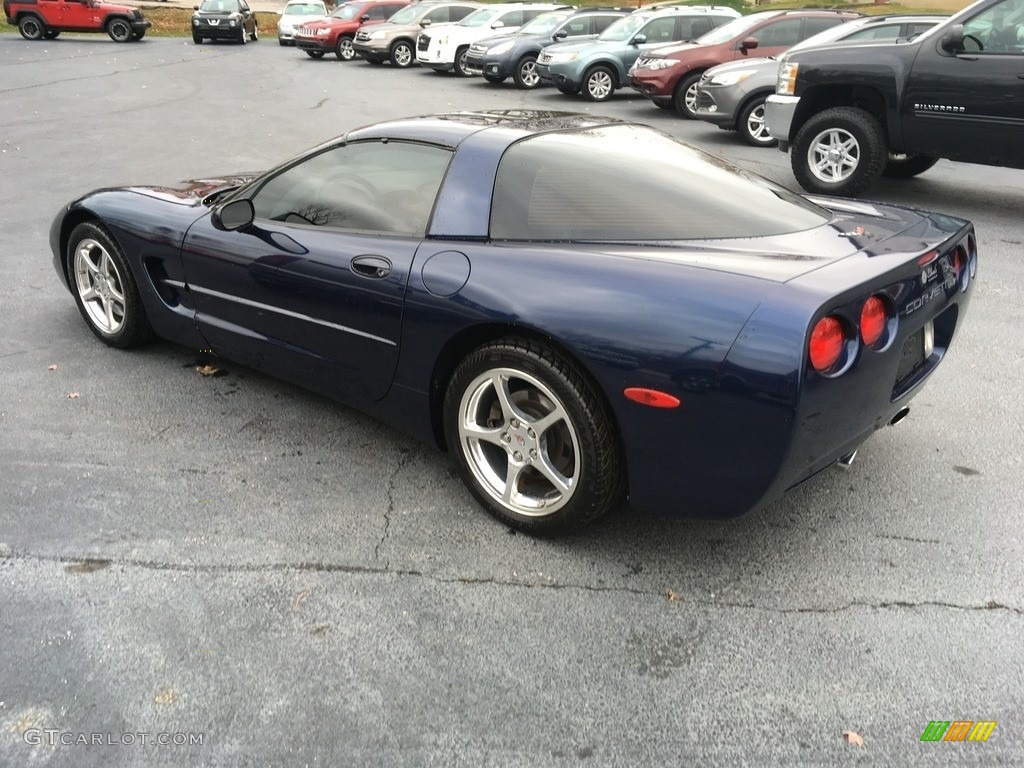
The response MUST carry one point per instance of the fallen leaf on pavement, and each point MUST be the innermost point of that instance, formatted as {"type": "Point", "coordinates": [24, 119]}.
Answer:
{"type": "Point", "coordinates": [165, 696]}
{"type": "Point", "coordinates": [206, 370]}
{"type": "Point", "coordinates": [301, 598]}
{"type": "Point", "coordinates": [73, 395]}
{"type": "Point", "coordinates": [52, 367]}
{"type": "Point", "coordinates": [852, 737]}
{"type": "Point", "coordinates": [672, 596]}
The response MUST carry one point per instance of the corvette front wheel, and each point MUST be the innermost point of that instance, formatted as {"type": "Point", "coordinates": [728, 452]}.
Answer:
{"type": "Point", "coordinates": [104, 288]}
{"type": "Point", "coordinates": [534, 440]}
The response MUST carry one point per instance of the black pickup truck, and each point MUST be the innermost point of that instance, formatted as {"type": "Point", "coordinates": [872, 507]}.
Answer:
{"type": "Point", "coordinates": [850, 113]}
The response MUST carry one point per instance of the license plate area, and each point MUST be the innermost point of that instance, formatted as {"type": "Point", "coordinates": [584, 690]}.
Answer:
{"type": "Point", "coordinates": [916, 350]}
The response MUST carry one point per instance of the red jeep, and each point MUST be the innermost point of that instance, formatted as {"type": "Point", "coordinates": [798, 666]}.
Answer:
{"type": "Point", "coordinates": [336, 32]}
{"type": "Point", "coordinates": [45, 19]}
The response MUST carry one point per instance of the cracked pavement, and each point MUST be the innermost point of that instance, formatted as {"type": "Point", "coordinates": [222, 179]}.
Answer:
{"type": "Point", "coordinates": [234, 557]}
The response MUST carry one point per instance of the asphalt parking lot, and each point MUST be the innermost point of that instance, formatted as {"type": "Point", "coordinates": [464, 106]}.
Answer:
{"type": "Point", "coordinates": [292, 584]}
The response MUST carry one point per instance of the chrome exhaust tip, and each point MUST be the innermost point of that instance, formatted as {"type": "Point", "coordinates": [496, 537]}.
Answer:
{"type": "Point", "coordinates": [847, 460]}
{"type": "Point", "coordinates": [901, 414]}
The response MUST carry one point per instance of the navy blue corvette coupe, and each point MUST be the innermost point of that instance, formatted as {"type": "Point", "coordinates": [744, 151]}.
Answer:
{"type": "Point", "coordinates": [581, 310]}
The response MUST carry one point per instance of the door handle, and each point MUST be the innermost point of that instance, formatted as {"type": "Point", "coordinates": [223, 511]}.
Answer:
{"type": "Point", "coordinates": [376, 267]}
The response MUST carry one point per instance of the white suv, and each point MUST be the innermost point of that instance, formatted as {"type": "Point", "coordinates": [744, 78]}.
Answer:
{"type": "Point", "coordinates": [445, 47]}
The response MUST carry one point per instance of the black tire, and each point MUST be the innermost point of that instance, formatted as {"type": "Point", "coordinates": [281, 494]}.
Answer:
{"type": "Point", "coordinates": [86, 246]}
{"type": "Point", "coordinates": [120, 30]}
{"type": "Point", "coordinates": [684, 103]}
{"type": "Point", "coordinates": [460, 61]}
{"type": "Point", "coordinates": [495, 79]}
{"type": "Point", "coordinates": [51, 34]}
{"type": "Point", "coordinates": [315, 54]}
{"type": "Point", "coordinates": [255, 32]}
{"type": "Point", "coordinates": [751, 125]}
{"type": "Point", "coordinates": [525, 73]}
{"type": "Point", "coordinates": [31, 27]}
{"type": "Point", "coordinates": [243, 36]}
{"type": "Point", "coordinates": [402, 54]}
{"type": "Point", "coordinates": [582, 445]}
{"type": "Point", "coordinates": [138, 36]}
{"type": "Point", "coordinates": [598, 83]}
{"type": "Point", "coordinates": [668, 106]}
{"type": "Point", "coordinates": [865, 156]}
{"type": "Point", "coordinates": [343, 48]}
{"type": "Point", "coordinates": [282, 42]}
{"type": "Point", "coordinates": [908, 167]}
{"type": "Point", "coordinates": [196, 39]}
{"type": "Point", "coordinates": [375, 62]}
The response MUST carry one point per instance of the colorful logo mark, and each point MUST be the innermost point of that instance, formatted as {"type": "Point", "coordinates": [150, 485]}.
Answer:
{"type": "Point", "coordinates": [958, 730]}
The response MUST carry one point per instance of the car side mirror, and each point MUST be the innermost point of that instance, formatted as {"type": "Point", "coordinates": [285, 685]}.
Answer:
{"type": "Point", "coordinates": [425, 23]}
{"type": "Point", "coordinates": [498, 25]}
{"type": "Point", "coordinates": [638, 40]}
{"type": "Point", "coordinates": [233, 216]}
{"type": "Point", "coordinates": [560, 35]}
{"type": "Point", "coordinates": [365, 17]}
{"type": "Point", "coordinates": [749, 44]}
{"type": "Point", "coordinates": [953, 40]}
{"type": "Point", "coordinates": [195, 7]}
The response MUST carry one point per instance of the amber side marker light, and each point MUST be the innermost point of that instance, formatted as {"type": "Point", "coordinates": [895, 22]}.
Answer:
{"type": "Point", "coordinates": [651, 397]}
{"type": "Point", "coordinates": [826, 344]}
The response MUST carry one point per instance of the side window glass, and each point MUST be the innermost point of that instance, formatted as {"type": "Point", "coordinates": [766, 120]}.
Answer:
{"type": "Point", "coordinates": [780, 33]}
{"type": "Point", "coordinates": [692, 27]}
{"type": "Point", "coordinates": [601, 23]}
{"type": "Point", "coordinates": [718, 21]}
{"type": "Point", "coordinates": [887, 32]}
{"type": "Point", "coordinates": [364, 187]}
{"type": "Point", "coordinates": [577, 27]}
{"type": "Point", "coordinates": [458, 13]}
{"type": "Point", "coordinates": [377, 13]}
{"type": "Point", "coordinates": [440, 15]}
{"type": "Point", "coordinates": [999, 29]}
{"type": "Point", "coordinates": [660, 30]}
{"type": "Point", "coordinates": [814, 26]}
{"type": "Point", "coordinates": [513, 19]}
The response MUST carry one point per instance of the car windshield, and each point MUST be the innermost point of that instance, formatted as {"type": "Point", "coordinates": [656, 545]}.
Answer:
{"type": "Point", "coordinates": [624, 28]}
{"type": "Point", "coordinates": [554, 187]}
{"type": "Point", "coordinates": [734, 28]}
{"type": "Point", "coordinates": [409, 14]}
{"type": "Point", "coordinates": [479, 18]}
{"type": "Point", "coordinates": [219, 6]}
{"type": "Point", "coordinates": [544, 25]}
{"type": "Point", "coordinates": [304, 9]}
{"type": "Point", "coordinates": [348, 11]}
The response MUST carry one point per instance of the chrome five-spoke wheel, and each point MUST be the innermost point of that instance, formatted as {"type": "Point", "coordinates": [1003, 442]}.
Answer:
{"type": "Point", "coordinates": [519, 442]}
{"type": "Point", "coordinates": [99, 286]}
{"type": "Point", "coordinates": [535, 441]}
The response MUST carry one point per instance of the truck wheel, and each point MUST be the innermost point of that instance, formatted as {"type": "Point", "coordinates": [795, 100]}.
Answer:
{"type": "Point", "coordinates": [840, 151]}
{"type": "Point", "coordinates": [685, 97]}
{"type": "Point", "coordinates": [908, 166]}
{"type": "Point", "coordinates": [120, 31]}
{"type": "Point", "coordinates": [751, 124]}
{"type": "Point", "coordinates": [31, 27]}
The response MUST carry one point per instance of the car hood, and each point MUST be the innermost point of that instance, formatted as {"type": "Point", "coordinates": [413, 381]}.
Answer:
{"type": "Point", "coordinates": [298, 21]}
{"type": "Point", "coordinates": [330, 23]}
{"type": "Point", "coordinates": [591, 46]}
{"type": "Point", "coordinates": [217, 14]}
{"type": "Point", "coordinates": [495, 39]}
{"type": "Point", "coordinates": [758, 65]}
{"type": "Point", "coordinates": [672, 49]}
{"type": "Point", "coordinates": [195, 191]}
{"type": "Point", "coordinates": [114, 8]}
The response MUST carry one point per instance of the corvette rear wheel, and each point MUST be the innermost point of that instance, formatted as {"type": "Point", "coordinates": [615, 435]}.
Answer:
{"type": "Point", "coordinates": [104, 288]}
{"type": "Point", "coordinates": [534, 441]}
{"type": "Point", "coordinates": [120, 31]}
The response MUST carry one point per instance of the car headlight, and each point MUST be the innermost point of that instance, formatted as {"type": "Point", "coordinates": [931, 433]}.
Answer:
{"type": "Point", "coordinates": [377, 35]}
{"type": "Point", "coordinates": [501, 48]}
{"type": "Point", "coordinates": [559, 58]}
{"type": "Point", "coordinates": [787, 78]}
{"type": "Point", "coordinates": [195, 22]}
{"type": "Point", "coordinates": [656, 64]}
{"type": "Point", "coordinates": [231, 22]}
{"type": "Point", "coordinates": [322, 32]}
{"type": "Point", "coordinates": [731, 78]}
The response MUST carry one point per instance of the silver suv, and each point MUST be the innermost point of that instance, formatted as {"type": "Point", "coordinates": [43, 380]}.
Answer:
{"type": "Point", "coordinates": [395, 40]}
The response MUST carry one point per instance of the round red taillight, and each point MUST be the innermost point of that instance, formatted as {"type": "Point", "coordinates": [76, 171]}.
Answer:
{"type": "Point", "coordinates": [959, 260]}
{"type": "Point", "coordinates": [873, 318]}
{"type": "Point", "coordinates": [826, 345]}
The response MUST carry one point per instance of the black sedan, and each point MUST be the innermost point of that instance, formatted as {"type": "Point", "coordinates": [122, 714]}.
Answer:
{"type": "Point", "coordinates": [582, 311]}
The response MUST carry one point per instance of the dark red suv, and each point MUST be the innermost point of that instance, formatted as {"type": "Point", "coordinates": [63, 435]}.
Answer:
{"type": "Point", "coordinates": [45, 19]}
{"type": "Point", "coordinates": [669, 75]}
{"type": "Point", "coordinates": [337, 32]}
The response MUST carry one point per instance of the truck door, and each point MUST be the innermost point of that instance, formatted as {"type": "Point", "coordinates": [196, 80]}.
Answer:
{"type": "Point", "coordinates": [968, 103]}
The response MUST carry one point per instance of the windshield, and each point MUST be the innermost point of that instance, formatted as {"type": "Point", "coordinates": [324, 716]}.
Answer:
{"type": "Point", "coordinates": [304, 9]}
{"type": "Point", "coordinates": [478, 18]}
{"type": "Point", "coordinates": [219, 6]}
{"type": "Point", "coordinates": [734, 28]}
{"type": "Point", "coordinates": [348, 11]}
{"type": "Point", "coordinates": [408, 15]}
{"type": "Point", "coordinates": [544, 25]}
{"type": "Point", "coordinates": [624, 28]}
